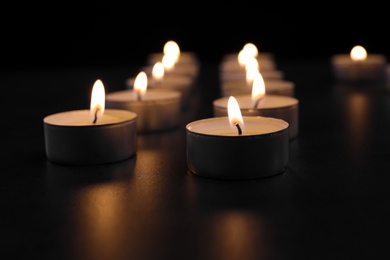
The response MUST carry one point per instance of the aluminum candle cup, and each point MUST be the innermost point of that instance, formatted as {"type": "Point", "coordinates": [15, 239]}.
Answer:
{"type": "Point", "coordinates": [273, 87]}
{"type": "Point", "coordinates": [71, 137]}
{"type": "Point", "coordinates": [156, 111]}
{"type": "Point", "coordinates": [282, 107]}
{"type": "Point", "coordinates": [214, 150]}
{"type": "Point", "coordinates": [373, 68]}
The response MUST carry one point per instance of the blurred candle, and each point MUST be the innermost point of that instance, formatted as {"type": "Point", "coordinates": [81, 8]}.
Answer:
{"type": "Point", "coordinates": [158, 79]}
{"type": "Point", "coordinates": [359, 66]}
{"type": "Point", "coordinates": [157, 109]}
{"type": "Point", "coordinates": [175, 60]}
{"type": "Point", "coordinates": [241, 86]}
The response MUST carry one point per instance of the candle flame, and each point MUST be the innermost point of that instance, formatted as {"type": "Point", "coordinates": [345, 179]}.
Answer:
{"type": "Point", "coordinates": [171, 48]}
{"type": "Point", "coordinates": [140, 84]}
{"type": "Point", "coordinates": [247, 52]}
{"type": "Point", "coordinates": [168, 62]}
{"type": "Point", "coordinates": [158, 71]}
{"type": "Point", "coordinates": [358, 53]}
{"type": "Point", "coordinates": [97, 105]}
{"type": "Point", "coordinates": [251, 73]}
{"type": "Point", "coordinates": [251, 49]}
{"type": "Point", "coordinates": [234, 113]}
{"type": "Point", "coordinates": [258, 90]}
{"type": "Point", "coordinates": [252, 63]}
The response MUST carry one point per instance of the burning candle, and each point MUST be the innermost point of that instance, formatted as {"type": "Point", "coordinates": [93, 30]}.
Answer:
{"type": "Point", "coordinates": [359, 66]}
{"type": "Point", "coordinates": [259, 104]}
{"type": "Point", "coordinates": [175, 61]}
{"type": "Point", "coordinates": [158, 79]}
{"type": "Point", "coordinates": [93, 136]}
{"type": "Point", "coordinates": [244, 85]}
{"type": "Point", "coordinates": [157, 110]}
{"type": "Point", "coordinates": [237, 147]}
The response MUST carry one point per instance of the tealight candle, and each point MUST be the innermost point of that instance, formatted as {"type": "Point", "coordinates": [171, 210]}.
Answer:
{"type": "Point", "coordinates": [157, 110]}
{"type": "Point", "coordinates": [359, 66]}
{"type": "Point", "coordinates": [259, 104]}
{"type": "Point", "coordinates": [176, 61]}
{"type": "Point", "coordinates": [94, 136]}
{"type": "Point", "coordinates": [248, 49]}
{"type": "Point", "coordinates": [236, 146]}
{"type": "Point", "coordinates": [274, 87]}
{"type": "Point", "coordinates": [158, 79]}
{"type": "Point", "coordinates": [244, 85]}
{"type": "Point", "coordinates": [242, 75]}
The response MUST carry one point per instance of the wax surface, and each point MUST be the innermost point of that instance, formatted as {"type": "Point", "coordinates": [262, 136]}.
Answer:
{"type": "Point", "coordinates": [220, 126]}
{"type": "Point", "coordinates": [270, 101]}
{"type": "Point", "coordinates": [150, 95]}
{"type": "Point", "coordinates": [83, 118]}
{"type": "Point", "coordinates": [370, 59]}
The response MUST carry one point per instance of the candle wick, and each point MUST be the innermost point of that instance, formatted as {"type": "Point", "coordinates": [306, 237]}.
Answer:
{"type": "Point", "coordinates": [95, 118]}
{"type": "Point", "coordinates": [238, 128]}
{"type": "Point", "coordinates": [138, 96]}
{"type": "Point", "coordinates": [257, 102]}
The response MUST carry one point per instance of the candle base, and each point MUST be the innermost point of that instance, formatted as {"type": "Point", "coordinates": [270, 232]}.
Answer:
{"type": "Point", "coordinates": [238, 157]}
{"type": "Point", "coordinates": [91, 144]}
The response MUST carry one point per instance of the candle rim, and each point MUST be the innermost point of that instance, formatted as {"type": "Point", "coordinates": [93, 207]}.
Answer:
{"type": "Point", "coordinates": [245, 118]}
{"type": "Point", "coordinates": [294, 102]}
{"type": "Point", "coordinates": [49, 119]}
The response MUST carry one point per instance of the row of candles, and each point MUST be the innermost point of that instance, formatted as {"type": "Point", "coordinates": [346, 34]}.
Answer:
{"type": "Point", "coordinates": [257, 113]}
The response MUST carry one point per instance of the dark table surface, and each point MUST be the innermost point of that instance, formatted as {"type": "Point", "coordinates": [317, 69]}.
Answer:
{"type": "Point", "coordinates": [332, 202]}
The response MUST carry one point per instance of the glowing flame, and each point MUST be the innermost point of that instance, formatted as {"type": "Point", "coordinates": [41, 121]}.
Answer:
{"type": "Point", "coordinates": [168, 62]}
{"type": "Point", "coordinates": [251, 49]}
{"type": "Point", "coordinates": [97, 101]}
{"type": "Point", "coordinates": [258, 90]}
{"type": "Point", "coordinates": [234, 113]}
{"type": "Point", "coordinates": [358, 53]}
{"type": "Point", "coordinates": [252, 63]}
{"type": "Point", "coordinates": [247, 52]}
{"type": "Point", "coordinates": [158, 71]}
{"type": "Point", "coordinates": [171, 49]}
{"type": "Point", "coordinates": [251, 73]}
{"type": "Point", "coordinates": [140, 84]}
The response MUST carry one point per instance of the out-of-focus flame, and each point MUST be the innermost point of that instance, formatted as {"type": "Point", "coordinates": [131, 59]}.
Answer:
{"type": "Point", "coordinates": [358, 53]}
{"type": "Point", "coordinates": [258, 90]}
{"type": "Point", "coordinates": [140, 84]}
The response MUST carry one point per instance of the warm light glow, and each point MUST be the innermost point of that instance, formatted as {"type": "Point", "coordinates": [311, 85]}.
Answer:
{"type": "Point", "coordinates": [171, 48]}
{"type": "Point", "coordinates": [168, 62]}
{"type": "Point", "coordinates": [98, 99]}
{"type": "Point", "coordinates": [358, 53]}
{"type": "Point", "coordinates": [140, 84]}
{"type": "Point", "coordinates": [258, 90]}
{"type": "Point", "coordinates": [252, 63]}
{"type": "Point", "coordinates": [158, 71]}
{"type": "Point", "coordinates": [248, 51]}
{"type": "Point", "coordinates": [251, 73]}
{"type": "Point", "coordinates": [234, 113]}
{"type": "Point", "coordinates": [251, 49]}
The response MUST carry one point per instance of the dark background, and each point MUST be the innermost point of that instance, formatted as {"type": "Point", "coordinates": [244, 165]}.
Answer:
{"type": "Point", "coordinates": [110, 33]}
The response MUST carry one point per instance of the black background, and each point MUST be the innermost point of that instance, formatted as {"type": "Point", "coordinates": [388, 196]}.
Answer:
{"type": "Point", "coordinates": [110, 33]}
